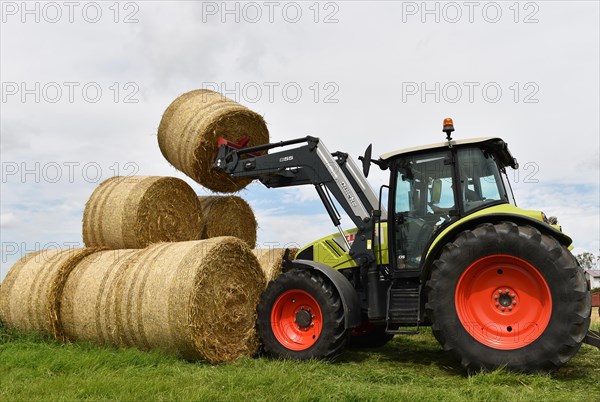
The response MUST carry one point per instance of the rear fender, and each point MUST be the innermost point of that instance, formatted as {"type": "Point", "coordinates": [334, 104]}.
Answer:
{"type": "Point", "coordinates": [471, 223]}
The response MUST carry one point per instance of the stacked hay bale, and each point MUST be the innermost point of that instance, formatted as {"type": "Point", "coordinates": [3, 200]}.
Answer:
{"type": "Point", "coordinates": [146, 280]}
{"type": "Point", "coordinates": [189, 130]}
{"type": "Point", "coordinates": [228, 216]}
{"type": "Point", "coordinates": [193, 299]}
{"type": "Point", "coordinates": [271, 260]}
{"type": "Point", "coordinates": [133, 212]}
{"type": "Point", "coordinates": [31, 293]}
{"type": "Point", "coordinates": [90, 299]}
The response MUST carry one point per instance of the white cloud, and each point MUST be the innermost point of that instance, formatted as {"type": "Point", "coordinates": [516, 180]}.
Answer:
{"type": "Point", "coordinates": [7, 220]}
{"type": "Point", "coordinates": [367, 56]}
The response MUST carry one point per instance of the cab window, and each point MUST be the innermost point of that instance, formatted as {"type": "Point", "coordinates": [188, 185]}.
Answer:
{"type": "Point", "coordinates": [480, 181]}
{"type": "Point", "coordinates": [423, 202]}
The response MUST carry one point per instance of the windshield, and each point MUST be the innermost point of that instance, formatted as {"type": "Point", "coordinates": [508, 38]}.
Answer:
{"type": "Point", "coordinates": [480, 179]}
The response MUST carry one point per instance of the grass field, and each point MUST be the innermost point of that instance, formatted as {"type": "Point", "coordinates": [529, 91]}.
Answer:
{"type": "Point", "coordinates": [33, 367]}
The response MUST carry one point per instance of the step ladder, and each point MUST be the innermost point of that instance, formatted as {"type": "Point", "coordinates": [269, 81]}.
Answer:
{"type": "Point", "coordinates": [404, 307]}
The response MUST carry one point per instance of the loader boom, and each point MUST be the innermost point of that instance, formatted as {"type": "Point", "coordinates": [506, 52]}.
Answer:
{"type": "Point", "coordinates": [312, 163]}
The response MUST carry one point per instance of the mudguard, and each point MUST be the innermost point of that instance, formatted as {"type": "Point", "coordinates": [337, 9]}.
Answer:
{"type": "Point", "coordinates": [470, 223]}
{"type": "Point", "coordinates": [347, 293]}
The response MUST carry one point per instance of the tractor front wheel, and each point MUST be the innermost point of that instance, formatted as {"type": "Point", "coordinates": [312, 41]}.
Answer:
{"type": "Point", "coordinates": [301, 316]}
{"type": "Point", "coordinates": [508, 295]}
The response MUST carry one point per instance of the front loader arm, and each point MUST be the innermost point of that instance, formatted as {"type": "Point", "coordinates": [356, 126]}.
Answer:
{"type": "Point", "coordinates": [311, 163]}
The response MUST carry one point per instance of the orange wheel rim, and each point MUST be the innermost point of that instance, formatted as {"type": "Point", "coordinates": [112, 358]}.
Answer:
{"type": "Point", "coordinates": [296, 320]}
{"type": "Point", "coordinates": [503, 302]}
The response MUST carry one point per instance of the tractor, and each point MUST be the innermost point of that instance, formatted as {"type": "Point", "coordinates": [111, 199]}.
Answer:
{"type": "Point", "coordinates": [447, 248]}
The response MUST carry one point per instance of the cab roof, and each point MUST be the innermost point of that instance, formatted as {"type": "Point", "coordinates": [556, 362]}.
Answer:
{"type": "Point", "coordinates": [441, 145]}
{"type": "Point", "coordinates": [497, 145]}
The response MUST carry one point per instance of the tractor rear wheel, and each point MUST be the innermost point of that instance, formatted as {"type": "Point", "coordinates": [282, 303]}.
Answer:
{"type": "Point", "coordinates": [301, 316]}
{"type": "Point", "coordinates": [508, 295]}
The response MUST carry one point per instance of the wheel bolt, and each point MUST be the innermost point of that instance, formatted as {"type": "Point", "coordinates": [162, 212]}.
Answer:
{"type": "Point", "coordinates": [496, 297]}
{"type": "Point", "coordinates": [497, 304]}
{"type": "Point", "coordinates": [509, 308]}
{"type": "Point", "coordinates": [512, 295]}
{"type": "Point", "coordinates": [293, 300]}
{"type": "Point", "coordinates": [500, 291]}
{"type": "Point", "coordinates": [514, 302]}
{"type": "Point", "coordinates": [302, 308]}
{"type": "Point", "coordinates": [503, 309]}
{"type": "Point", "coordinates": [312, 324]}
{"type": "Point", "coordinates": [507, 290]}
{"type": "Point", "coordinates": [313, 316]}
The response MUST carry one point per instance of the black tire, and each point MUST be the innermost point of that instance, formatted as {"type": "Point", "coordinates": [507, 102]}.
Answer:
{"type": "Point", "coordinates": [333, 336]}
{"type": "Point", "coordinates": [569, 311]}
{"type": "Point", "coordinates": [369, 336]}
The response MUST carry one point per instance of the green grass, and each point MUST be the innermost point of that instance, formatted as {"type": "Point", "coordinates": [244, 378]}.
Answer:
{"type": "Point", "coordinates": [34, 367]}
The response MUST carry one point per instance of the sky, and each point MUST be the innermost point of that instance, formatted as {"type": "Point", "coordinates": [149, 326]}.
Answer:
{"type": "Point", "coordinates": [84, 86]}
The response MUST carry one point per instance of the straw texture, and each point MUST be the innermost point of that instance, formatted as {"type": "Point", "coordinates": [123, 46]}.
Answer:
{"type": "Point", "coordinates": [133, 212]}
{"type": "Point", "coordinates": [271, 260]}
{"type": "Point", "coordinates": [194, 299]}
{"type": "Point", "coordinates": [228, 216]}
{"type": "Point", "coordinates": [190, 127]}
{"type": "Point", "coordinates": [31, 292]}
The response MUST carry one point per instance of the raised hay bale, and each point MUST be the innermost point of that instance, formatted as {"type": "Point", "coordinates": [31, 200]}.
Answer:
{"type": "Point", "coordinates": [271, 260]}
{"type": "Point", "coordinates": [190, 127]}
{"type": "Point", "coordinates": [194, 299]}
{"type": "Point", "coordinates": [228, 216]}
{"type": "Point", "coordinates": [133, 212]}
{"type": "Point", "coordinates": [31, 292]}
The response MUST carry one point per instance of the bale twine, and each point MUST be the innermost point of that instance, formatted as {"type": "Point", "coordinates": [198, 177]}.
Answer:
{"type": "Point", "coordinates": [133, 212]}
{"type": "Point", "coordinates": [31, 293]}
{"type": "Point", "coordinates": [228, 216]}
{"type": "Point", "coordinates": [190, 127]}
{"type": "Point", "coordinates": [194, 299]}
{"type": "Point", "coordinates": [271, 260]}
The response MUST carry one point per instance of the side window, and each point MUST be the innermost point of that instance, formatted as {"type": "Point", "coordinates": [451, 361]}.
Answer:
{"type": "Point", "coordinates": [403, 194]}
{"type": "Point", "coordinates": [446, 199]}
{"type": "Point", "coordinates": [424, 184]}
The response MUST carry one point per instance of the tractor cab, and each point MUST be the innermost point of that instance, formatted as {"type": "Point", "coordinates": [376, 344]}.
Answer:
{"type": "Point", "coordinates": [435, 185]}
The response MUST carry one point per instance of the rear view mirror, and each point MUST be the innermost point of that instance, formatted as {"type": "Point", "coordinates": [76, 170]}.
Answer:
{"type": "Point", "coordinates": [366, 160]}
{"type": "Point", "coordinates": [436, 191]}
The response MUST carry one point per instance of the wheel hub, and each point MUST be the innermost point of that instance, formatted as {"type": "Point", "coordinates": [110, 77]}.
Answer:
{"type": "Point", "coordinates": [303, 318]}
{"type": "Point", "coordinates": [505, 299]}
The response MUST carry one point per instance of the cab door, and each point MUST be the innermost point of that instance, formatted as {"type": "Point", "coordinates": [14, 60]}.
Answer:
{"type": "Point", "coordinates": [422, 200]}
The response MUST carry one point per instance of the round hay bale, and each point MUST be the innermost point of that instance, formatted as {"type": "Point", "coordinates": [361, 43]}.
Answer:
{"type": "Point", "coordinates": [194, 299]}
{"type": "Point", "coordinates": [190, 127]}
{"type": "Point", "coordinates": [90, 298]}
{"type": "Point", "coordinates": [31, 293]}
{"type": "Point", "coordinates": [228, 216]}
{"type": "Point", "coordinates": [271, 260]}
{"type": "Point", "coordinates": [133, 212]}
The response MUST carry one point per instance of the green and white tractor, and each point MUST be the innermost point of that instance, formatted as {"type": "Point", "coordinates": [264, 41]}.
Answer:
{"type": "Point", "coordinates": [447, 248]}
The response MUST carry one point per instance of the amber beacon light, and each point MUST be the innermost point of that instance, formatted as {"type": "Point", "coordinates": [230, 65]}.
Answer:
{"type": "Point", "coordinates": [448, 128]}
